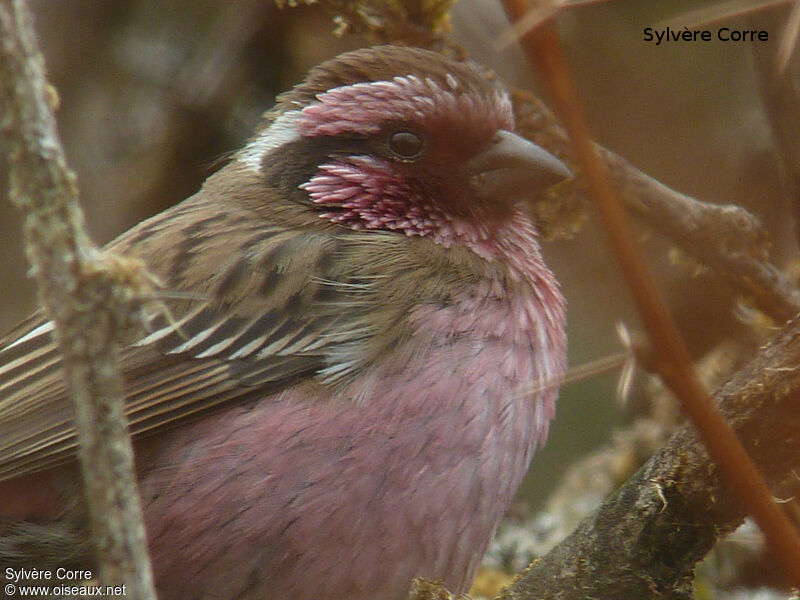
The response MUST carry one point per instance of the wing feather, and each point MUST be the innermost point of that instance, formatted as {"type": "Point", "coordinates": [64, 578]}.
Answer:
{"type": "Point", "coordinates": [253, 304]}
{"type": "Point", "coordinates": [246, 332]}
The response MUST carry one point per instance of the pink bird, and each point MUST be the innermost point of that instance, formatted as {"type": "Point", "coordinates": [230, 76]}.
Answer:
{"type": "Point", "coordinates": [364, 360]}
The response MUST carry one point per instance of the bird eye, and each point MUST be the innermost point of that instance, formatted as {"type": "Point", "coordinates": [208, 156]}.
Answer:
{"type": "Point", "coordinates": [406, 145]}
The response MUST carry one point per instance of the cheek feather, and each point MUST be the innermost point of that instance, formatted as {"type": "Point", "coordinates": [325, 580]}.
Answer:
{"type": "Point", "coordinates": [365, 193]}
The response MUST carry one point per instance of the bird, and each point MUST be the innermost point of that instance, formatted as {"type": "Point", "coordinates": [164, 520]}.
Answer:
{"type": "Point", "coordinates": [355, 358]}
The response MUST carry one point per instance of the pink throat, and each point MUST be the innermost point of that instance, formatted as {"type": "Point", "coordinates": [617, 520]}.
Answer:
{"type": "Point", "coordinates": [364, 193]}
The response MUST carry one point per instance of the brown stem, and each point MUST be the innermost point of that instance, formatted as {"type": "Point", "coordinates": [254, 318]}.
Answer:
{"type": "Point", "coordinates": [725, 238]}
{"type": "Point", "coordinates": [673, 360]}
{"type": "Point", "coordinates": [646, 538]}
{"type": "Point", "coordinates": [92, 297]}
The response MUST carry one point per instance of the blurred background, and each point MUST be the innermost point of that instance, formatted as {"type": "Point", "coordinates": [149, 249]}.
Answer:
{"type": "Point", "coordinates": [154, 94]}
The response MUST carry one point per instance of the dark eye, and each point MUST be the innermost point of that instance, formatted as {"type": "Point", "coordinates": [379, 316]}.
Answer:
{"type": "Point", "coordinates": [406, 145]}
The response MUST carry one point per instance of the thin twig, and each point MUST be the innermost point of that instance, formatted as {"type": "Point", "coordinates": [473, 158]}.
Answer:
{"type": "Point", "coordinates": [673, 360]}
{"type": "Point", "coordinates": [725, 238]}
{"type": "Point", "coordinates": [93, 298]}
{"type": "Point", "coordinates": [779, 88]}
{"type": "Point", "coordinates": [646, 538]}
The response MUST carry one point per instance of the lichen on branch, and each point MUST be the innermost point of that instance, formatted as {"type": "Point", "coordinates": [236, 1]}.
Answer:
{"type": "Point", "coordinates": [96, 300]}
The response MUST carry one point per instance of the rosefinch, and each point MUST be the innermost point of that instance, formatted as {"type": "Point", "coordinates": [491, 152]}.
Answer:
{"type": "Point", "coordinates": [366, 361]}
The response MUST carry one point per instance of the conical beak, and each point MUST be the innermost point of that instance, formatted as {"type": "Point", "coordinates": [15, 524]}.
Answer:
{"type": "Point", "coordinates": [512, 168]}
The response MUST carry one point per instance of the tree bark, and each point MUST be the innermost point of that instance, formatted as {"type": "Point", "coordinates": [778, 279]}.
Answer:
{"type": "Point", "coordinates": [646, 539]}
{"type": "Point", "coordinates": [95, 300]}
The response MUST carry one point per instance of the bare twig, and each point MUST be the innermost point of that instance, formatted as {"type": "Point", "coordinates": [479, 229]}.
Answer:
{"type": "Point", "coordinates": [780, 91]}
{"type": "Point", "coordinates": [92, 297]}
{"type": "Point", "coordinates": [646, 538]}
{"type": "Point", "coordinates": [672, 358]}
{"type": "Point", "coordinates": [721, 11]}
{"type": "Point", "coordinates": [726, 238]}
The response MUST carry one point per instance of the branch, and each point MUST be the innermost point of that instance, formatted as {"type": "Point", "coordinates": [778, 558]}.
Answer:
{"type": "Point", "coordinates": [778, 87]}
{"type": "Point", "coordinates": [725, 238]}
{"type": "Point", "coordinates": [670, 357]}
{"type": "Point", "coordinates": [93, 297]}
{"type": "Point", "coordinates": [645, 540]}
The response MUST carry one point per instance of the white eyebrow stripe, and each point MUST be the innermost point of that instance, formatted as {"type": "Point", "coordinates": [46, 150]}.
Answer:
{"type": "Point", "coordinates": [282, 131]}
{"type": "Point", "coordinates": [33, 333]}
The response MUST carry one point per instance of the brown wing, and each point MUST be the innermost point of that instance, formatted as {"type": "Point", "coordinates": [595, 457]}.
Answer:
{"type": "Point", "coordinates": [278, 306]}
{"type": "Point", "coordinates": [266, 297]}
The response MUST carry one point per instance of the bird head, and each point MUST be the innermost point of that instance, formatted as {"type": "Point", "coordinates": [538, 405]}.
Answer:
{"type": "Point", "coordinates": [401, 139]}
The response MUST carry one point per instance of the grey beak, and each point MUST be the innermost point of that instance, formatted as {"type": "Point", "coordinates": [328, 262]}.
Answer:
{"type": "Point", "coordinates": [512, 168]}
